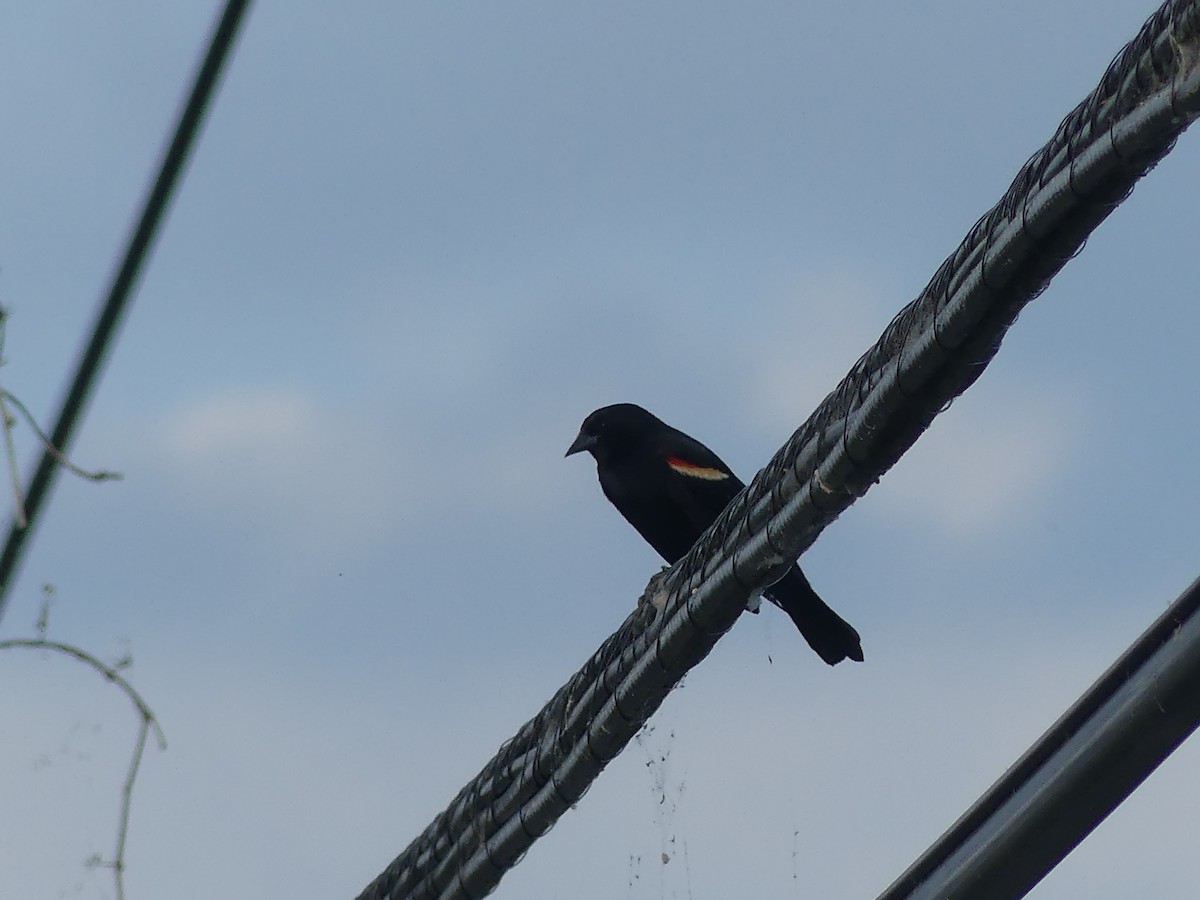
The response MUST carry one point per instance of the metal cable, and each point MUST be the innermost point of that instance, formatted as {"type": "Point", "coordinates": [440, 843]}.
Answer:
{"type": "Point", "coordinates": [121, 289]}
{"type": "Point", "coordinates": [931, 352]}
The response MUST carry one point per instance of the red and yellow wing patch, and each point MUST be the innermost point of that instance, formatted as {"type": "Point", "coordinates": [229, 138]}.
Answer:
{"type": "Point", "coordinates": [692, 470]}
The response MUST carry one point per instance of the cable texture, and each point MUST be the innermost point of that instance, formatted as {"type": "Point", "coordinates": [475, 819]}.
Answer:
{"type": "Point", "coordinates": [930, 353]}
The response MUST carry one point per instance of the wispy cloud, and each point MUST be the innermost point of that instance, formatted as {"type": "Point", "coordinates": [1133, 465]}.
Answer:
{"type": "Point", "coordinates": [986, 463]}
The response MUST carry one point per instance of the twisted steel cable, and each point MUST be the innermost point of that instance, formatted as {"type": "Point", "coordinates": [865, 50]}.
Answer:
{"type": "Point", "coordinates": [930, 353]}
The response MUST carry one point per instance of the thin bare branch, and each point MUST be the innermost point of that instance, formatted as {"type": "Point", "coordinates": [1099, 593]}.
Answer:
{"type": "Point", "coordinates": [99, 475]}
{"type": "Point", "coordinates": [149, 722]}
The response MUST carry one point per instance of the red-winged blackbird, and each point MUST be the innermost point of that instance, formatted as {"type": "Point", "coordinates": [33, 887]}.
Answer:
{"type": "Point", "coordinates": [670, 487]}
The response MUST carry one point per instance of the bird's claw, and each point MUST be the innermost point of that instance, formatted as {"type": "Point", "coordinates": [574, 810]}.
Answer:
{"type": "Point", "coordinates": [656, 592]}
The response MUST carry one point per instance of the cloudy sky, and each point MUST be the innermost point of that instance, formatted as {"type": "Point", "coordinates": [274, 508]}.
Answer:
{"type": "Point", "coordinates": [417, 244]}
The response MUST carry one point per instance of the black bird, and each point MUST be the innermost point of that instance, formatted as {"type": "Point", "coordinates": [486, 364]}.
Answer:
{"type": "Point", "coordinates": [670, 487]}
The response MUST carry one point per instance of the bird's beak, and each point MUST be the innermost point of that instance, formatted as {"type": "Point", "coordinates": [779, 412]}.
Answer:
{"type": "Point", "coordinates": [581, 443]}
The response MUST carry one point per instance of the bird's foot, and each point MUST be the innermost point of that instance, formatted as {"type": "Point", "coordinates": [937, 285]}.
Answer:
{"type": "Point", "coordinates": [656, 592]}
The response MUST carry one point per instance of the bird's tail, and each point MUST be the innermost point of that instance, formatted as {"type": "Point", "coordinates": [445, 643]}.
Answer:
{"type": "Point", "coordinates": [829, 634]}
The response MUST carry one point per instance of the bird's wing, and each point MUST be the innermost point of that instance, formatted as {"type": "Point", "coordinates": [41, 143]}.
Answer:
{"type": "Point", "coordinates": [699, 483]}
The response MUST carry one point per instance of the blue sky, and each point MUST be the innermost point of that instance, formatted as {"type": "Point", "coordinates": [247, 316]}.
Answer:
{"type": "Point", "coordinates": [417, 244]}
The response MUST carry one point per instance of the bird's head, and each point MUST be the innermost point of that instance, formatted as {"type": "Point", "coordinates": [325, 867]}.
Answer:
{"type": "Point", "coordinates": [612, 431]}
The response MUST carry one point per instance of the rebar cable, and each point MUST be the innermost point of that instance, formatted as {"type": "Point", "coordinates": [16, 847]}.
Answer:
{"type": "Point", "coordinates": [121, 289]}
{"type": "Point", "coordinates": [1079, 771]}
{"type": "Point", "coordinates": [930, 353]}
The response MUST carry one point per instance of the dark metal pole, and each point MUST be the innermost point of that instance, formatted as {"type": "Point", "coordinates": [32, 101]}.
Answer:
{"type": "Point", "coordinates": [1079, 771]}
